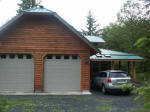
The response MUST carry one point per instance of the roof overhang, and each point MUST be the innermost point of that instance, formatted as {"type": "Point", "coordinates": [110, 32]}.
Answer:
{"type": "Point", "coordinates": [9, 23]}
{"type": "Point", "coordinates": [109, 55]}
{"type": "Point", "coordinates": [116, 60]}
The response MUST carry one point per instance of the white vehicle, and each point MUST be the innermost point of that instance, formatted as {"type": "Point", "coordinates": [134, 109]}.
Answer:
{"type": "Point", "coordinates": [111, 80]}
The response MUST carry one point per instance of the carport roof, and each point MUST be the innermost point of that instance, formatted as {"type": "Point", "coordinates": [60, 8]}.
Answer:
{"type": "Point", "coordinates": [110, 55]}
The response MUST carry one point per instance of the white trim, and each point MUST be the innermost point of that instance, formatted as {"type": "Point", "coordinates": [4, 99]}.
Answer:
{"type": "Point", "coordinates": [86, 92]}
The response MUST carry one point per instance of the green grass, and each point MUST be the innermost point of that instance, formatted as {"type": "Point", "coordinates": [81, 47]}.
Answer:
{"type": "Point", "coordinates": [105, 106]}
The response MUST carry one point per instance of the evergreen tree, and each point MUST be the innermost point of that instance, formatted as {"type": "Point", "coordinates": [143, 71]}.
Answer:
{"type": "Point", "coordinates": [147, 8]}
{"type": "Point", "coordinates": [27, 4]}
{"type": "Point", "coordinates": [91, 26]}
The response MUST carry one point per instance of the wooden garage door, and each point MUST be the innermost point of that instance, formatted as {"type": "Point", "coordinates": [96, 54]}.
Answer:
{"type": "Point", "coordinates": [62, 73]}
{"type": "Point", "coordinates": [16, 73]}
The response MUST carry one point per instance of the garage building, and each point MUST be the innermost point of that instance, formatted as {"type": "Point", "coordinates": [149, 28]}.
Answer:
{"type": "Point", "coordinates": [41, 52]}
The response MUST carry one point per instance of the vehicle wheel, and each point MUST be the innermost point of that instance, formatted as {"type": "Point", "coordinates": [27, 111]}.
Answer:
{"type": "Point", "coordinates": [104, 90]}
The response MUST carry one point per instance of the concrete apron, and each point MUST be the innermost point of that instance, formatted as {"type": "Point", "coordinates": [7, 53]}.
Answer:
{"type": "Point", "coordinates": [51, 93]}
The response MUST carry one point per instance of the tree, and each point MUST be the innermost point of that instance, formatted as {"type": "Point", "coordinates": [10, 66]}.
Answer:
{"type": "Point", "coordinates": [91, 26]}
{"type": "Point", "coordinates": [143, 45]}
{"type": "Point", "coordinates": [27, 4]}
{"type": "Point", "coordinates": [123, 34]}
{"type": "Point", "coordinates": [130, 26]}
{"type": "Point", "coordinates": [131, 10]}
{"type": "Point", "coordinates": [147, 8]}
{"type": "Point", "coordinates": [143, 92]}
{"type": "Point", "coordinates": [122, 37]}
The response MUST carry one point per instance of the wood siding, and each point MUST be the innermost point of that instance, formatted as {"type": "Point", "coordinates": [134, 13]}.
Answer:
{"type": "Point", "coordinates": [39, 37]}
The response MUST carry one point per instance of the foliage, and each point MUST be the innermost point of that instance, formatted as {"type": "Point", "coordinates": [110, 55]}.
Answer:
{"type": "Point", "coordinates": [91, 26]}
{"type": "Point", "coordinates": [142, 77]}
{"type": "Point", "coordinates": [146, 7]}
{"type": "Point", "coordinates": [122, 37]}
{"type": "Point", "coordinates": [123, 34]}
{"type": "Point", "coordinates": [5, 105]}
{"type": "Point", "coordinates": [8, 105]}
{"type": "Point", "coordinates": [144, 96]}
{"type": "Point", "coordinates": [130, 11]}
{"type": "Point", "coordinates": [125, 87]}
{"type": "Point", "coordinates": [143, 44]}
{"type": "Point", "coordinates": [143, 92]}
{"type": "Point", "coordinates": [27, 4]}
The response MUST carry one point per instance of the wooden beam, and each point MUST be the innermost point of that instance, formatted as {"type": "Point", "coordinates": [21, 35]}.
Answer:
{"type": "Point", "coordinates": [100, 66]}
{"type": "Point", "coordinates": [134, 71]}
{"type": "Point", "coordinates": [129, 68]}
{"type": "Point", "coordinates": [109, 67]}
{"type": "Point", "coordinates": [112, 65]}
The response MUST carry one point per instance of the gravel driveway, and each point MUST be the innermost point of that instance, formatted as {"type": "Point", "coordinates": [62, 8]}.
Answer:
{"type": "Point", "coordinates": [97, 102]}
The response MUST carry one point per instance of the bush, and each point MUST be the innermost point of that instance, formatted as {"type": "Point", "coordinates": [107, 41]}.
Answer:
{"type": "Point", "coordinates": [144, 96]}
{"type": "Point", "coordinates": [125, 87]}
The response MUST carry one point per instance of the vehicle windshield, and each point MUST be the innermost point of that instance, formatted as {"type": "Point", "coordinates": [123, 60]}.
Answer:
{"type": "Point", "coordinates": [117, 74]}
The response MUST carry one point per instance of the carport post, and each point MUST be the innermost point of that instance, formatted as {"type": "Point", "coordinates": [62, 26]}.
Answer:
{"type": "Point", "coordinates": [134, 71]}
{"type": "Point", "coordinates": [119, 65]}
{"type": "Point", "coordinates": [129, 67]}
{"type": "Point", "coordinates": [99, 65]}
{"type": "Point", "coordinates": [112, 65]}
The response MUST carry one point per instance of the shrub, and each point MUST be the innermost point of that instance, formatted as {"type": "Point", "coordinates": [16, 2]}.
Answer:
{"type": "Point", "coordinates": [144, 96]}
{"type": "Point", "coordinates": [125, 87]}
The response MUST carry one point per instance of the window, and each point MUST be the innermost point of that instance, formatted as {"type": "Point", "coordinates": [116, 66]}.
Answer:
{"type": "Point", "coordinates": [103, 74]}
{"type": "Point", "coordinates": [74, 57]}
{"type": "Point", "coordinates": [11, 56]}
{"type": "Point", "coordinates": [117, 74]}
{"type": "Point", "coordinates": [3, 56]}
{"type": "Point", "coordinates": [20, 56]}
{"type": "Point", "coordinates": [66, 56]}
{"type": "Point", "coordinates": [49, 56]}
{"type": "Point", "coordinates": [58, 56]}
{"type": "Point", "coordinates": [29, 56]}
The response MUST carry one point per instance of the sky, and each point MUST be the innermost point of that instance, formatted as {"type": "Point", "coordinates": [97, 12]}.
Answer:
{"type": "Point", "coordinates": [73, 11]}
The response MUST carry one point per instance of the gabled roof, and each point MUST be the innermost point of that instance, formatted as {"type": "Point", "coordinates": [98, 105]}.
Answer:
{"type": "Point", "coordinates": [94, 39]}
{"type": "Point", "coordinates": [41, 10]}
{"type": "Point", "coordinates": [108, 55]}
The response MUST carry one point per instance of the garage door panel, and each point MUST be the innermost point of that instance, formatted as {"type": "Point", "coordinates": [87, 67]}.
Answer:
{"type": "Point", "coordinates": [62, 74]}
{"type": "Point", "coordinates": [16, 75]}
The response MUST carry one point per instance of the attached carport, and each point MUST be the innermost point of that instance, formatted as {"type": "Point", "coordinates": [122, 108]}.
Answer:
{"type": "Point", "coordinates": [109, 58]}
